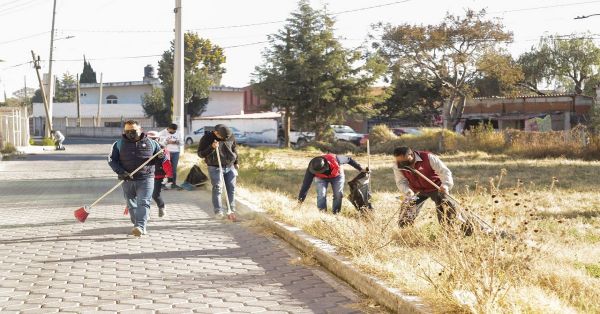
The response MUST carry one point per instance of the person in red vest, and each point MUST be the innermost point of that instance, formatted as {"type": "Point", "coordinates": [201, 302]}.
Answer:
{"type": "Point", "coordinates": [417, 190]}
{"type": "Point", "coordinates": [325, 170]}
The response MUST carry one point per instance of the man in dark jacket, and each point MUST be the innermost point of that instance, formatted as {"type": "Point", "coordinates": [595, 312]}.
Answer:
{"type": "Point", "coordinates": [325, 170]}
{"type": "Point", "coordinates": [129, 153]}
{"type": "Point", "coordinates": [223, 139]}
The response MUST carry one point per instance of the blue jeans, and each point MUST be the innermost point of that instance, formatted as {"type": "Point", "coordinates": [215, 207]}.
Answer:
{"type": "Point", "coordinates": [138, 195]}
{"type": "Point", "coordinates": [337, 184]}
{"type": "Point", "coordinates": [174, 162]}
{"type": "Point", "coordinates": [230, 175]}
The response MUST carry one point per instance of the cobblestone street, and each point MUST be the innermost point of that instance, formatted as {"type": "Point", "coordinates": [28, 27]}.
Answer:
{"type": "Point", "coordinates": [189, 262]}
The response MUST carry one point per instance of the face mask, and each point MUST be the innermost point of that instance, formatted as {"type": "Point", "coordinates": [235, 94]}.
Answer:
{"type": "Point", "coordinates": [172, 132]}
{"type": "Point", "coordinates": [131, 135]}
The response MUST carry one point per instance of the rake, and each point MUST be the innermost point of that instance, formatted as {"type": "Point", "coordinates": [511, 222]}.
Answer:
{"type": "Point", "coordinates": [83, 212]}
{"type": "Point", "coordinates": [473, 215]}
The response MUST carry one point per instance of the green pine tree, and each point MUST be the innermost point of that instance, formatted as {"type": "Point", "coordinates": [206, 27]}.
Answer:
{"type": "Point", "coordinates": [310, 75]}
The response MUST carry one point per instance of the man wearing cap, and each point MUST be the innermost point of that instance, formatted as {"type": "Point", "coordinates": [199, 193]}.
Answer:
{"type": "Point", "coordinates": [325, 170]}
{"type": "Point", "coordinates": [222, 139]}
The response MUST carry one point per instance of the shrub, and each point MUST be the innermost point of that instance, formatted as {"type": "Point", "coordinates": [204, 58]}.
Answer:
{"type": "Point", "coordinates": [46, 141]}
{"type": "Point", "coordinates": [31, 141]}
{"type": "Point", "coordinates": [434, 140]}
{"type": "Point", "coordinates": [339, 147]}
{"type": "Point", "coordinates": [483, 138]}
{"type": "Point", "coordinates": [8, 148]}
{"type": "Point", "coordinates": [381, 134]}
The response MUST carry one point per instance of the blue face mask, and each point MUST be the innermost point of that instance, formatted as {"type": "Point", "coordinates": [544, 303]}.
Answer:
{"type": "Point", "coordinates": [131, 135]}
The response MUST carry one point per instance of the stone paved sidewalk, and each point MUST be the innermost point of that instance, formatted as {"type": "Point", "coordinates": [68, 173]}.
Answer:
{"type": "Point", "coordinates": [188, 263]}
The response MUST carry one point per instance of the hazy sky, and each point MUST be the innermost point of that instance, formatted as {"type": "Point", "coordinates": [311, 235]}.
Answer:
{"type": "Point", "coordinates": [108, 31]}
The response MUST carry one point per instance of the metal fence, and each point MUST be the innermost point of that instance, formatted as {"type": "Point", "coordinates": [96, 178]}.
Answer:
{"type": "Point", "coordinates": [14, 126]}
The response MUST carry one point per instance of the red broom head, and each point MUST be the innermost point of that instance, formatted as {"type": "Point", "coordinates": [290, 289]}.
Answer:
{"type": "Point", "coordinates": [126, 212]}
{"type": "Point", "coordinates": [232, 217]}
{"type": "Point", "coordinates": [81, 214]}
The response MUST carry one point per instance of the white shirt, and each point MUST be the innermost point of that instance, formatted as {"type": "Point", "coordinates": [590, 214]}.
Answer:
{"type": "Point", "coordinates": [436, 164]}
{"type": "Point", "coordinates": [166, 137]}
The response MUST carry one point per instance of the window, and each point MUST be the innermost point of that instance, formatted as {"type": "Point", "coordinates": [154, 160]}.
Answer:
{"type": "Point", "coordinates": [111, 99]}
{"type": "Point", "coordinates": [112, 124]}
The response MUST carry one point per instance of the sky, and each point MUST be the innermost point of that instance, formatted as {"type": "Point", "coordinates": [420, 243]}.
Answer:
{"type": "Point", "coordinates": [120, 37]}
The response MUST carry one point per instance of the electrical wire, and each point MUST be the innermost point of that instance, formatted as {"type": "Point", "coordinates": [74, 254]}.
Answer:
{"type": "Point", "coordinates": [23, 38]}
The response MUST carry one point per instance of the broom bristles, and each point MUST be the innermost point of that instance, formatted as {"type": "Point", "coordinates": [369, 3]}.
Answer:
{"type": "Point", "coordinates": [81, 214]}
{"type": "Point", "coordinates": [126, 212]}
{"type": "Point", "coordinates": [232, 217]}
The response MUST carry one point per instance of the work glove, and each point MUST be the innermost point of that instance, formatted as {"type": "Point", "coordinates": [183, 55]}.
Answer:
{"type": "Point", "coordinates": [125, 176]}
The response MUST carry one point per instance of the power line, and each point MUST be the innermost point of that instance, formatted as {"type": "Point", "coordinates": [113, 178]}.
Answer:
{"type": "Point", "coordinates": [17, 8]}
{"type": "Point", "coordinates": [23, 38]}
{"type": "Point", "coordinates": [545, 7]}
{"type": "Point", "coordinates": [235, 25]}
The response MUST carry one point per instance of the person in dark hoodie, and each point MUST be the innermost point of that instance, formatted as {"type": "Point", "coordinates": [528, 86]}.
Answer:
{"type": "Point", "coordinates": [221, 138]}
{"type": "Point", "coordinates": [129, 153]}
{"type": "Point", "coordinates": [162, 170]}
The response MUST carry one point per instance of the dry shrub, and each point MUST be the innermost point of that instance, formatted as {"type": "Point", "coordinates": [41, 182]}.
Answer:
{"type": "Point", "coordinates": [482, 138]}
{"type": "Point", "coordinates": [381, 134]}
{"type": "Point", "coordinates": [434, 140]}
{"type": "Point", "coordinates": [8, 149]}
{"type": "Point", "coordinates": [339, 147]}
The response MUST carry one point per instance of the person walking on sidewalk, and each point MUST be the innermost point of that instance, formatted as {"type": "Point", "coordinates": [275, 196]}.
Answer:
{"type": "Point", "coordinates": [127, 154]}
{"type": "Point", "coordinates": [162, 169]}
{"type": "Point", "coordinates": [325, 170]}
{"type": "Point", "coordinates": [172, 139]}
{"type": "Point", "coordinates": [221, 138]}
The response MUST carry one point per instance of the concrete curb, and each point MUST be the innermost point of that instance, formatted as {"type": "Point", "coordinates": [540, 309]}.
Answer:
{"type": "Point", "coordinates": [340, 266]}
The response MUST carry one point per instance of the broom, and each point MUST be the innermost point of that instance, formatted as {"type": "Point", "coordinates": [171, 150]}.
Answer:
{"type": "Point", "coordinates": [230, 214]}
{"type": "Point", "coordinates": [82, 213]}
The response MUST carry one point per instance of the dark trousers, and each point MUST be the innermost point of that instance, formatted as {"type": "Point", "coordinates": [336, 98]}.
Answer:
{"type": "Point", "coordinates": [174, 163]}
{"type": "Point", "coordinates": [445, 209]}
{"type": "Point", "coordinates": [156, 193]}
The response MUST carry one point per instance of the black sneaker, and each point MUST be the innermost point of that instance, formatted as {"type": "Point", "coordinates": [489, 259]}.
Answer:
{"type": "Point", "coordinates": [161, 212]}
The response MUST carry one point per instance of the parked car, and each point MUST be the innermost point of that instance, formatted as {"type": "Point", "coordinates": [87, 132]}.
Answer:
{"type": "Point", "coordinates": [195, 136]}
{"type": "Point", "coordinates": [346, 134]}
{"type": "Point", "coordinates": [403, 131]}
{"type": "Point", "coordinates": [297, 138]}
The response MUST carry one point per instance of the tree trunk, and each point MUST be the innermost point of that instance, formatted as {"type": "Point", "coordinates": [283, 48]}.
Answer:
{"type": "Point", "coordinates": [287, 128]}
{"type": "Point", "coordinates": [457, 113]}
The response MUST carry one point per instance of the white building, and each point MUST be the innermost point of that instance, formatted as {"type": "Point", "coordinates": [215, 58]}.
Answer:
{"type": "Point", "coordinates": [122, 101]}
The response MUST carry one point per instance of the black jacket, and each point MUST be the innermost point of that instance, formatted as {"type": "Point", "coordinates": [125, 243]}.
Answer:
{"type": "Point", "coordinates": [227, 149]}
{"type": "Point", "coordinates": [128, 156]}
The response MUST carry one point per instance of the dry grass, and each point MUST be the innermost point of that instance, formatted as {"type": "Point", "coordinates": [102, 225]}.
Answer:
{"type": "Point", "coordinates": [550, 206]}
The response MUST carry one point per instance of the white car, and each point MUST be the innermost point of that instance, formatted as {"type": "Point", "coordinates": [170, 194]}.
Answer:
{"type": "Point", "coordinates": [194, 137]}
{"type": "Point", "coordinates": [346, 134]}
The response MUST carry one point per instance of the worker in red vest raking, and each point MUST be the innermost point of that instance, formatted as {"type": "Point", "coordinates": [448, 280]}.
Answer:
{"type": "Point", "coordinates": [325, 170]}
{"type": "Point", "coordinates": [417, 190]}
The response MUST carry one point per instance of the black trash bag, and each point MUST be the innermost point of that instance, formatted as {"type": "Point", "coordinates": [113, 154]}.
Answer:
{"type": "Point", "coordinates": [360, 192]}
{"type": "Point", "coordinates": [195, 178]}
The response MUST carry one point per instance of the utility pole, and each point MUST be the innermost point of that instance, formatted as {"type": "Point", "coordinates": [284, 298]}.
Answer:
{"type": "Point", "coordinates": [25, 90]}
{"type": "Point", "coordinates": [178, 82]}
{"type": "Point", "coordinates": [99, 103]}
{"type": "Point", "coordinates": [36, 65]}
{"type": "Point", "coordinates": [78, 103]}
{"type": "Point", "coordinates": [50, 93]}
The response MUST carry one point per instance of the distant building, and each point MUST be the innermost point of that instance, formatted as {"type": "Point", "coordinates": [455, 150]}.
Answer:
{"type": "Point", "coordinates": [565, 110]}
{"type": "Point", "coordinates": [123, 100]}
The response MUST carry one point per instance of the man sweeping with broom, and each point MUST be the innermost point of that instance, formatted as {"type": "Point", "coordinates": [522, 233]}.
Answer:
{"type": "Point", "coordinates": [219, 150]}
{"type": "Point", "coordinates": [128, 154]}
{"type": "Point", "coordinates": [414, 172]}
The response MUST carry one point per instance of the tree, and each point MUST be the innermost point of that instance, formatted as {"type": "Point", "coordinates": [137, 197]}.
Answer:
{"type": "Point", "coordinates": [154, 106]}
{"type": "Point", "coordinates": [417, 101]}
{"type": "Point", "coordinates": [65, 88]}
{"type": "Point", "coordinates": [307, 72]}
{"type": "Point", "coordinates": [203, 64]}
{"type": "Point", "coordinates": [535, 65]}
{"type": "Point", "coordinates": [574, 58]}
{"type": "Point", "coordinates": [452, 54]}
{"type": "Point", "coordinates": [87, 75]}
{"type": "Point", "coordinates": [24, 94]}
